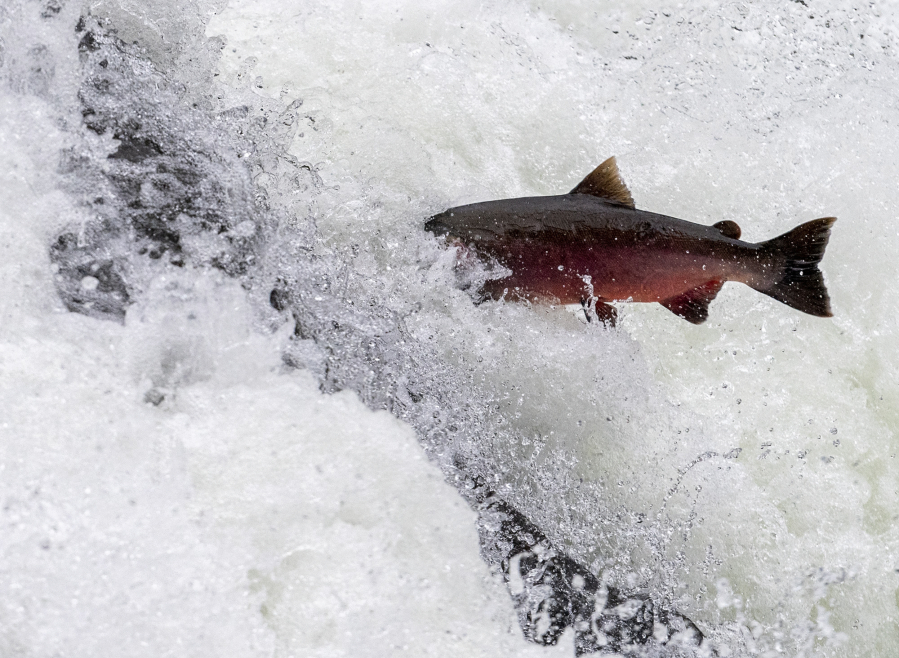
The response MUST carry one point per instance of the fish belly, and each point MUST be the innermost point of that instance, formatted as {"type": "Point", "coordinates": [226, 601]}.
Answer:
{"type": "Point", "coordinates": [570, 274]}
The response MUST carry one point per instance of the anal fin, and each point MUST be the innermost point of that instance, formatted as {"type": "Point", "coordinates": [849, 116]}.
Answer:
{"type": "Point", "coordinates": [693, 305]}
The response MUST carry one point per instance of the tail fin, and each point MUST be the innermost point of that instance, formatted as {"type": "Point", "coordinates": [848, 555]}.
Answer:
{"type": "Point", "coordinates": [797, 280]}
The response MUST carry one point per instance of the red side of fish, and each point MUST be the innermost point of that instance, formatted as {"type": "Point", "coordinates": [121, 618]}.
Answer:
{"type": "Point", "coordinates": [592, 246]}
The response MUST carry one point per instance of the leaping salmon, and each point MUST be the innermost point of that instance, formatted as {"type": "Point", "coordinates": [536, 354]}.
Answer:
{"type": "Point", "coordinates": [592, 246]}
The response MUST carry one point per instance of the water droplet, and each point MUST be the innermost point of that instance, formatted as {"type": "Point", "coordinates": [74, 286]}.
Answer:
{"type": "Point", "coordinates": [90, 283]}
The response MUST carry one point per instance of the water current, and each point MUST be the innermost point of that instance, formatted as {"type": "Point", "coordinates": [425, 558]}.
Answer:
{"type": "Point", "coordinates": [249, 408]}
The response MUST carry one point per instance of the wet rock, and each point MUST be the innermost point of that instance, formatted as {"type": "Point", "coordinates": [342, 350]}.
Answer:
{"type": "Point", "coordinates": [154, 396]}
{"type": "Point", "coordinates": [86, 282]}
{"type": "Point", "coordinates": [553, 592]}
{"type": "Point", "coordinates": [165, 186]}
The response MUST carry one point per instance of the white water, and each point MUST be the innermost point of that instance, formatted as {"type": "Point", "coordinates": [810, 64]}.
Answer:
{"type": "Point", "coordinates": [250, 514]}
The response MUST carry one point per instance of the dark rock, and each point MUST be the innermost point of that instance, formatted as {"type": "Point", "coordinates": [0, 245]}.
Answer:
{"type": "Point", "coordinates": [134, 149]}
{"type": "Point", "coordinates": [154, 397]}
{"type": "Point", "coordinates": [165, 181]}
{"type": "Point", "coordinates": [88, 43]}
{"type": "Point", "coordinates": [553, 592]}
{"type": "Point", "coordinates": [278, 299]}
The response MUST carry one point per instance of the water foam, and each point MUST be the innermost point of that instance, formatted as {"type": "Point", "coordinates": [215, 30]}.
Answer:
{"type": "Point", "coordinates": [742, 470]}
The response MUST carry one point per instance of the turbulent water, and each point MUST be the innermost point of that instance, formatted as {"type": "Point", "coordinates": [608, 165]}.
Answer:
{"type": "Point", "coordinates": [248, 408]}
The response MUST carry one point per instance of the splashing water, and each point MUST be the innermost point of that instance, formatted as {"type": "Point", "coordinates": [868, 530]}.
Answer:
{"type": "Point", "coordinates": [214, 262]}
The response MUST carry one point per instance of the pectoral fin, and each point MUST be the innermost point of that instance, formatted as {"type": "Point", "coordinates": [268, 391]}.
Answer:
{"type": "Point", "coordinates": [693, 305]}
{"type": "Point", "coordinates": [606, 313]}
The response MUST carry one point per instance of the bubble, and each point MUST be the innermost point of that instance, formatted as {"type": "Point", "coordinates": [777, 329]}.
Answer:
{"type": "Point", "coordinates": [90, 283]}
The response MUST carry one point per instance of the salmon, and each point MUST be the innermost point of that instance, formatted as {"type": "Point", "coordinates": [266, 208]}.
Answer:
{"type": "Point", "coordinates": [592, 246]}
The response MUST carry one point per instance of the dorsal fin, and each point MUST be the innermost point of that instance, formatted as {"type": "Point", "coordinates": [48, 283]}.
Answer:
{"type": "Point", "coordinates": [693, 305]}
{"type": "Point", "coordinates": [729, 229]}
{"type": "Point", "coordinates": [605, 182]}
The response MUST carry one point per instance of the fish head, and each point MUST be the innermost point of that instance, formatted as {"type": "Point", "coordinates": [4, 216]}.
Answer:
{"type": "Point", "coordinates": [439, 224]}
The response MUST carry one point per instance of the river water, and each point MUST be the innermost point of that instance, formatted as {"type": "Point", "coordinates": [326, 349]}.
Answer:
{"type": "Point", "coordinates": [248, 410]}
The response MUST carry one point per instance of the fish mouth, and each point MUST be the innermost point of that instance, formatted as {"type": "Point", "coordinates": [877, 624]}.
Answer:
{"type": "Point", "coordinates": [437, 225]}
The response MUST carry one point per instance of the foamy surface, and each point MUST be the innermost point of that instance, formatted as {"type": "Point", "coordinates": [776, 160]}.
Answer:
{"type": "Point", "coordinates": [203, 473]}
